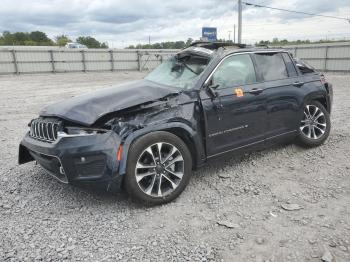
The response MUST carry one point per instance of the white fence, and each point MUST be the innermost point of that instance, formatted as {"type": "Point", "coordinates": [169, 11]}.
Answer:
{"type": "Point", "coordinates": [19, 60]}
{"type": "Point", "coordinates": [43, 60]}
{"type": "Point", "coordinates": [324, 57]}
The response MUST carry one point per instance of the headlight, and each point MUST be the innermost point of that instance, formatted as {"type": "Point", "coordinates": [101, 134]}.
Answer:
{"type": "Point", "coordinates": [76, 131]}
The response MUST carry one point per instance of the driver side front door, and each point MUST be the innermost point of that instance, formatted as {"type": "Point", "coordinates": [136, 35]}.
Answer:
{"type": "Point", "coordinates": [236, 117]}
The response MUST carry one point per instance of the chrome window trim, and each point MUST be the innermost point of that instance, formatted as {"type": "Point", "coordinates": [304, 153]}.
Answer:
{"type": "Point", "coordinates": [241, 53]}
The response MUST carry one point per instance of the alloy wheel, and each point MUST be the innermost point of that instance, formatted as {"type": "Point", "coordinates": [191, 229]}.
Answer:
{"type": "Point", "coordinates": [159, 169]}
{"type": "Point", "coordinates": [313, 125]}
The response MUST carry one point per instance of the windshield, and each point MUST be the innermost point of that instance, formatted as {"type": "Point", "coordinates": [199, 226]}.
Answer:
{"type": "Point", "coordinates": [179, 72]}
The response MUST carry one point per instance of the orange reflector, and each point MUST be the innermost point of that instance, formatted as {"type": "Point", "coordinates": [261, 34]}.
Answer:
{"type": "Point", "coordinates": [120, 152]}
{"type": "Point", "coordinates": [239, 92]}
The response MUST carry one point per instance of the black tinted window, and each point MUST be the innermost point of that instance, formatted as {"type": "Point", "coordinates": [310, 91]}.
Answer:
{"type": "Point", "coordinates": [304, 67]}
{"type": "Point", "coordinates": [234, 71]}
{"type": "Point", "coordinates": [271, 66]}
{"type": "Point", "coordinates": [290, 66]}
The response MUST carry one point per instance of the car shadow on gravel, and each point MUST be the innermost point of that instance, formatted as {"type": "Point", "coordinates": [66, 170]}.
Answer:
{"type": "Point", "coordinates": [90, 196]}
{"type": "Point", "coordinates": [49, 186]}
{"type": "Point", "coordinates": [237, 159]}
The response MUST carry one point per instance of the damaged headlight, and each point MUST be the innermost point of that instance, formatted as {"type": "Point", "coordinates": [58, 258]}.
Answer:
{"type": "Point", "coordinates": [76, 131]}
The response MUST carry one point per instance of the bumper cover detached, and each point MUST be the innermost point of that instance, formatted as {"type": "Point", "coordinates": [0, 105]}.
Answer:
{"type": "Point", "coordinates": [89, 160]}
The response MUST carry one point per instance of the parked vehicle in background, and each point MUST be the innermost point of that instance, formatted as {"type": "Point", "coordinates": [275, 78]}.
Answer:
{"type": "Point", "coordinates": [76, 45]}
{"type": "Point", "coordinates": [207, 101]}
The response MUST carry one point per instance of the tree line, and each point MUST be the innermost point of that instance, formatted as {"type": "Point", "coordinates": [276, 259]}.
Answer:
{"type": "Point", "coordinates": [38, 38]}
{"type": "Point", "coordinates": [276, 41]}
{"type": "Point", "coordinates": [163, 45]}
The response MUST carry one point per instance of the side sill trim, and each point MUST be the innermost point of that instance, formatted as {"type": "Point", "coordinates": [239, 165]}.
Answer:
{"type": "Point", "coordinates": [250, 144]}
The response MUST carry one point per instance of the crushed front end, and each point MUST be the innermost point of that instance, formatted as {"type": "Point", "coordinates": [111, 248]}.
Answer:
{"type": "Point", "coordinates": [75, 155]}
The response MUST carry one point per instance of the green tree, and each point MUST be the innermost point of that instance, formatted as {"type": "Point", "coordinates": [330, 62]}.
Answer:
{"type": "Point", "coordinates": [40, 38]}
{"type": "Point", "coordinates": [30, 43]}
{"type": "Point", "coordinates": [62, 40]}
{"type": "Point", "coordinates": [91, 42]}
{"type": "Point", "coordinates": [104, 45]}
{"type": "Point", "coordinates": [20, 38]}
{"type": "Point", "coordinates": [7, 38]}
{"type": "Point", "coordinates": [189, 42]}
{"type": "Point", "coordinates": [179, 45]}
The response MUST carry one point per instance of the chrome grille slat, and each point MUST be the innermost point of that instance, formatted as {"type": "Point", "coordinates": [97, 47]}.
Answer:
{"type": "Point", "coordinates": [53, 131]}
{"type": "Point", "coordinates": [36, 128]}
{"type": "Point", "coordinates": [48, 129]}
{"type": "Point", "coordinates": [44, 130]}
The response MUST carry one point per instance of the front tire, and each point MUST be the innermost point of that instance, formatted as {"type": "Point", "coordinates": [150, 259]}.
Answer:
{"type": "Point", "coordinates": [315, 125]}
{"type": "Point", "coordinates": [159, 168]}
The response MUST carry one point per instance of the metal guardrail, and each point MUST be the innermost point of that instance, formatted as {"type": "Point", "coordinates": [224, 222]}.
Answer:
{"type": "Point", "coordinates": [326, 58]}
{"type": "Point", "coordinates": [21, 61]}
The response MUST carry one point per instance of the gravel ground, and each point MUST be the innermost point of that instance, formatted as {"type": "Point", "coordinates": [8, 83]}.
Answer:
{"type": "Point", "coordinates": [232, 210]}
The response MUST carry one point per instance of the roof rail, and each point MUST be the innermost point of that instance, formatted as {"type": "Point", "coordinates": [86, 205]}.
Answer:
{"type": "Point", "coordinates": [216, 45]}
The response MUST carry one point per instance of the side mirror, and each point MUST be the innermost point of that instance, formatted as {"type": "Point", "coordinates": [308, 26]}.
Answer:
{"type": "Point", "coordinates": [211, 89]}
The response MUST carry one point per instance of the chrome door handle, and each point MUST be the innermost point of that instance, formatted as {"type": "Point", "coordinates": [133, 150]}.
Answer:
{"type": "Point", "coordinates": [256, 91]}
{"type": "Point", "coordinates": [298, 84]}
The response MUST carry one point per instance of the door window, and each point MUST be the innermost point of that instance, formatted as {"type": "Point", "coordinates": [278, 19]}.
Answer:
{"type": "Point", "coordinates": [290, 65]}
{"type": "Point", "coordinates": [234, 71]}
{"type": "Point", "coordinates": [271, 66]}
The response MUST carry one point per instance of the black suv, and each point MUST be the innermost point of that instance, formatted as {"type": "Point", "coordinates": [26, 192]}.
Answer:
{"type": "Point", "coordinates": [208, 100]}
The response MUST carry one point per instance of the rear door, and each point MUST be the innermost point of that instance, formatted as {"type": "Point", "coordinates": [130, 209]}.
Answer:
{"type": "Point", "coordinates": [283, 90]}
{"type": "Point", "coordinates": [236, 117]}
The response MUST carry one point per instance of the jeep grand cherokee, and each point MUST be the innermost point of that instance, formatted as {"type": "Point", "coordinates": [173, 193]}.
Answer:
{"type": "Point", "coordinates": [207, 101]}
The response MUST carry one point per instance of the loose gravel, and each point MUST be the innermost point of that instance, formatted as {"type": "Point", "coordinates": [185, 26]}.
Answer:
{"type": "Point", "coordinates": [284, 203]}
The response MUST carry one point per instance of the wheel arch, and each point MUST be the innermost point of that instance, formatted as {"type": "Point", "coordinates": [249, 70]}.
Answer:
{"type": "Point", "coordinates": [181, 130]}
{"type": "Point", "coordinates": [323, 101]}
{"type": "Point", "coordinates": [321, 98]}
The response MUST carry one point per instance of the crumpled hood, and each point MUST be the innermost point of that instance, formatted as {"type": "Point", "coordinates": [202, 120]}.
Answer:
{"type": "Point", "coordinates": [87, 109]}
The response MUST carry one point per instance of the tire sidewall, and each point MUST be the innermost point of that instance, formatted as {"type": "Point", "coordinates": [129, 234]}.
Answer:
{"type": "Point", "coordinates": [308, 142]}
{"type": "Point", "coordinates": [134, 153]}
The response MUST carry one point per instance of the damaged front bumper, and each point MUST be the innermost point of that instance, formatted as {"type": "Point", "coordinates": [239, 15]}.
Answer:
{"type": "Point", "coordinates": [78, 159]}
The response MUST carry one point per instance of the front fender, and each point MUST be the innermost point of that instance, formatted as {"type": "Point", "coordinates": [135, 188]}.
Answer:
{"type": "Point", "coordinates": [163, 127]}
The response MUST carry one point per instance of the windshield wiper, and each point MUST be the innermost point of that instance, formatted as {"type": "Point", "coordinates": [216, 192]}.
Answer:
{"type": "Point", "coordinates": [189, 68]}
{"type": "Point", "coordinates": [179, 63]}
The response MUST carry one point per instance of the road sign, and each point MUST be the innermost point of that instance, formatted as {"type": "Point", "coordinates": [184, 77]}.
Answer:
{"type": "Point", "coordinates": [209, 33]}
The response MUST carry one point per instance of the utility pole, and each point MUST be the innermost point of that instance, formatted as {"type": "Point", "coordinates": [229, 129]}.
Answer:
{"type": "Point", "coordinates": [234, 33]}
{"type": "Point", "coordinates": [239, 21]}
{"type": "Point", "coordinates": [229, 35]}
{"type": "Point", "coordinates": [149, 40]}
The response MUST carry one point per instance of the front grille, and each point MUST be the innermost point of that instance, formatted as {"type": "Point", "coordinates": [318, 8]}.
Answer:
{"type": "Point", "coordinates": [44, 130]}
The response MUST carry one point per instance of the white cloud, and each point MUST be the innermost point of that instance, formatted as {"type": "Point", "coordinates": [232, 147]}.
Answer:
{"type": "Point", "coordinates": [123, 22]}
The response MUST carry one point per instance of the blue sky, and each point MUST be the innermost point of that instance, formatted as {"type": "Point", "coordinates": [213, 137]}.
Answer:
{"type": "Point", "coordinates": [121, 22]}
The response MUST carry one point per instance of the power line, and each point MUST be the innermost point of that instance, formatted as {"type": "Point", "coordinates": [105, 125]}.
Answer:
{"type": "Point", "coordinates": [297, 12]}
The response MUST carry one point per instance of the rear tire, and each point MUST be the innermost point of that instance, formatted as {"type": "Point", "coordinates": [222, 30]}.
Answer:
{"type": "Point", "coordinates": [155, 178]}
{"type": "Point", "coordinates": [315, 125]}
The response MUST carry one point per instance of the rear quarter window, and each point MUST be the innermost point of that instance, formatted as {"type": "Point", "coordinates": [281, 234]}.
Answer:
{"type": "Point", "coordinates": [304, 67]}
{"type": "Point", "coordinates": [271, 66]}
